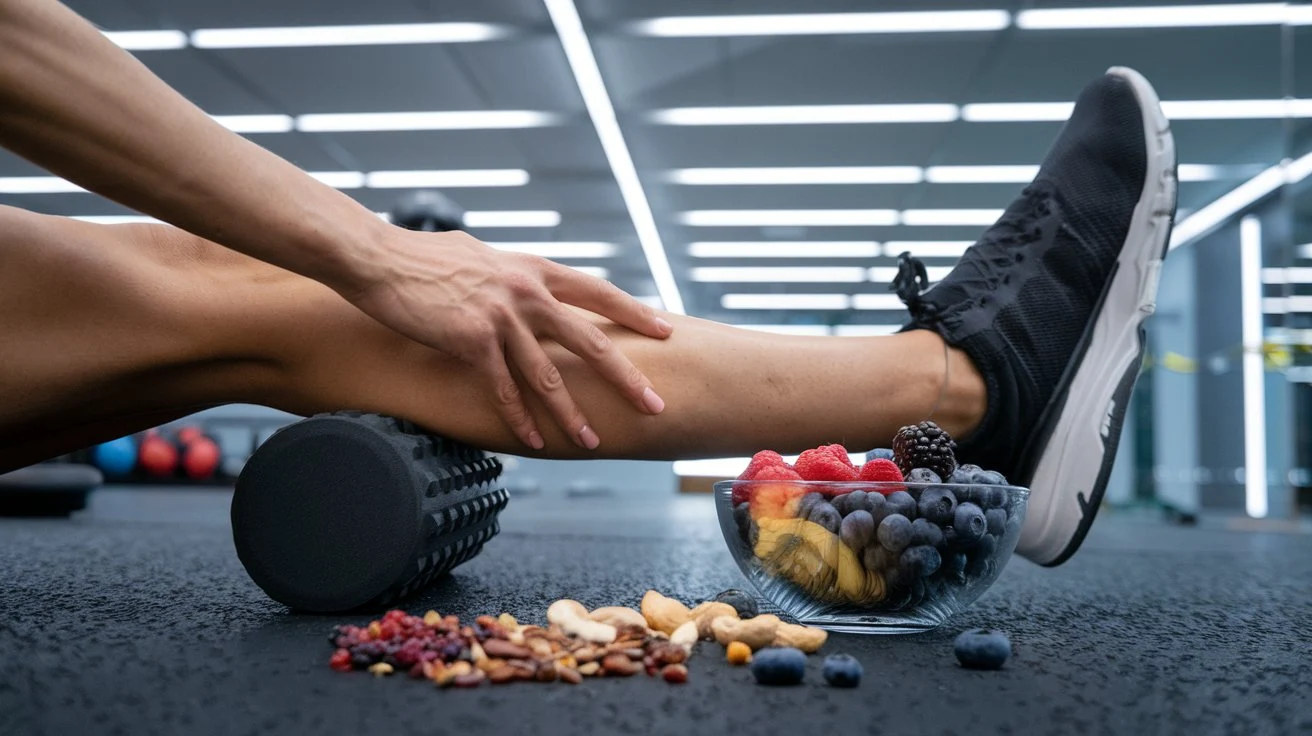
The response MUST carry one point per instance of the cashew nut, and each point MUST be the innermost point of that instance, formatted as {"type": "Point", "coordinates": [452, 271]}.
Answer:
{"type": "Point", "coordinates": [619, 617]}
{"type": "Point", "coordinates": [706, 613]}
{"type": "Point", "coordinates": [807, 638]}
{"type": "Point", "coordinates": [593, 631]}
{"type": "Point", "coordinates": [663, 614]}
{"type": "Point", "coordinates": [685, 636]}
{"type": "Point", "coordinates": [565, 609]}
{"type": "Point", "coordinates": [757, 632]}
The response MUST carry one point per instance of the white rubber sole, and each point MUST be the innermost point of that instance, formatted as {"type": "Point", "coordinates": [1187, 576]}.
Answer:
{"type": "Point", "coordinates": [1073, 468]}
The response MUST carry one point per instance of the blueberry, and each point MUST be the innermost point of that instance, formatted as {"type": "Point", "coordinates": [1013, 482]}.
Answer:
{"type": "Point", "coordinates": [877, 558]}
{"type": "Point", "coordinates": [918, 562]}
{"type": "Point", "coordinates": [895, 533]}
{"type": "Point", "coordinates": [877, 505]}
{"type": "Point", "coordinates": [996, 520]}
{"type": "Point", "coordinates": [807, 503]}
{"type": "Point", "coordinates": [924, 531]}
{"type": "Point", "coordinates": [882, 453]}
{"type": "Point", "coordinates": [779, 666]}
{"type": "Point", "coordinates": [982, 649]}
{"type": "Point", "coordinates": [951, 541]}
{"type": "Point", "coordinates": [923, 475]}
{"type": "Point", "coordinates": [826, 516]}
{"type": "Point", "coordinates": [857, 530]}
{"type": "Point", "coordinates": [969, 522]}
{"type": "Point", "coordinates": [995, 497]}
{"type": "Point", "coordinates": [981, 555]}
{"type": "Point", "coordinates": [937, 504]}
{"type": "Point", "coordinates": [742, 517]}
{"type": "Point", "coordinates": [990, 478]}
{"type": "Point", "coordinates": [902, 503]}
{"type": "Point", "coordinates": [858, 501]}
{"type": "Point", "coordinates": [744, 604]}
{"type": "Point", "coordinates": [840, 504]}
{"type": "Point", "coordinates": [954, 567]}
{"type": "Point", "coordinates": [842, 670]}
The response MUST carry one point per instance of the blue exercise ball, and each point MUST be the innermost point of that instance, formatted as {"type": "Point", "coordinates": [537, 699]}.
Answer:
{"type": "Point", "coordinates": [116, 458]}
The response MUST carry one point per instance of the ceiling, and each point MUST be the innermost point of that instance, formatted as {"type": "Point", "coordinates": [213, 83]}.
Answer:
{"type": "Point", "coordinates": [525, 68]}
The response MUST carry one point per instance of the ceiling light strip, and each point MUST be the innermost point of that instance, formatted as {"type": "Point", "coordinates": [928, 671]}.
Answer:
{"type": "Point", "coordinates": [578, 52]}
{"type": "Point", "coordinates": [148, 40]}
{"type": "Point", "coordinates": [797, 24]}
{"type": "Point", "coordinates": [1175, 16]}
{"type": "Point", "coordinates": [356, 35]}
{"type": "Point", "coordinates": [1225, 207]}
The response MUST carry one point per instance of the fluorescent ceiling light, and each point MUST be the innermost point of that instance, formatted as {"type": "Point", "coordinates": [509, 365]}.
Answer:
{"type": "Point", "coordinates": [821, 274]}
{"type": "Point", "coordinates": [825, 23]}
{"type": "Point", "coordinates": [559, 249]}
{"type": "Point", "coordinates": [815, 330]}
{"type": "Point", "coordinates": [256, 123]}
{"type": "Point", "coordinates": [148, 40]}
{"type": "Point", "coordinates": [339, 179]}
{"type": "Point", "coordinates": [114, 219]}
{"type": "Point", "coordinates": [798, 175]}
{"type": "Point", "coordinates": [780, 249]}
{"type": "Point", "coordinates": [927, 248]}
{"type": "Point", "coordinates": [1005, 112]}
{"type": "Point", "coordinates": [785, 218]}
{"type": "Point", "coordinates": [980, 174]}
{"type": "Point", "coordinates": [1200, 172]}
{"type": "Point", "coordinates": [730, 467]}
{"type": "Point", "coordinates": [878, 302]}
{"type": "Point", "coordinates": [1299, 275]}
{"type": "Point", "coordinates": [1237, 109]}
{"type": "Point", "coordinates": [865, 330]}
{"type": "Point", "coordinates": [511, 218]}
{"type": "Point", "coordinates": [950, 217]}
{"type": "Point", "coordinates": [1250, 315]}
{"type": "Point", "coordinates": [1236, 200]}
{"type": "Point", "coordinates": [1300, 15]}
{"type": "Point", "coordinates": [248, 38]}
{"type": "Point", "coordinates": [1304, 251]}
{"type": "Point", "coordinates": [806, 115]}
{"type": "Point", "coordinates": [886, 274]}
{"type": "Point", "coordinates": [596, 272]}
{"type": "Point", "coordinates": [37, 185]}
{"type": "Point", "coordinates": [578, 52]}
{"type": "Point", "coordinates": [452, 178]}
{"type": "Point", "coordinates": [1287, 305]}
{"type": "Point", "coordinates": [439, 120]}
{"type": "Point", "coordinates": [785, 301]}
{"type": "Point", "coordinates": [1179, 16]}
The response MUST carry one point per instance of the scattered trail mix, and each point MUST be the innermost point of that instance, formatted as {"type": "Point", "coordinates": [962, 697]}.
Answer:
{"type": "Point", "coordinates": [613, 641]}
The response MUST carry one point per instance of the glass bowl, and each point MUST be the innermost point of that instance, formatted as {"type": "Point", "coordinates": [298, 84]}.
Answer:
{"type": "Point", "coordinates": [803, 545]}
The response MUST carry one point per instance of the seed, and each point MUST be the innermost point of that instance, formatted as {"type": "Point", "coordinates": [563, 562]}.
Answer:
{"type": "Point", "coordinates": [461, 668]}
{"type": "Point", "coordinates": [476, 653]}
{"type": "Point", "coordinates": [506, 650]}
{"type": "Point", "coordinates": [738, 653]}
{"type": "Point", "coordinates": [503, 674]}
{"type": "Point", "coordinates": [508, 622]}
{"type": "Point", "coordinates": [570, 675]}
{"type": "Point", "coordinates": [567, 661]}
{"type": "Point", "coordinates": [375, 630]}
{"type": "Point", "coordinates": [546, 672]}
{"type": "Point", "coordinates": [619, 664]}
{"type": "Point", "coordinates": [589, 669]}
{"type": "Point", "coordinates": [432, 620]}
{"type": "Point", "coordinates": [666, 653]}
{"type": "Point", "coordinates": [473, 679]}
{"type": "Point", "coordinates": [636, 653]}
{"type": "Point", "coordinates": [381, 669]}
{"type": "Point", "coordinates": [540, 648]}
{"type": "Point", "coordinates": [490, 664]}
{"type": "Point", "coordinates": [586, 654]}
{"type": "Point", "coordinates": [675, 673]}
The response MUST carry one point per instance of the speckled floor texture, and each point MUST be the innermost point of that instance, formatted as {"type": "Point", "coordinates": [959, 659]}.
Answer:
{"type": "Point", "coordinates": [135, 617]}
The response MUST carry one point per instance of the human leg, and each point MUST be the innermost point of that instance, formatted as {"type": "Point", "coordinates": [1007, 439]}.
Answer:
{"type": "Point", "coordinates": [114, 328]}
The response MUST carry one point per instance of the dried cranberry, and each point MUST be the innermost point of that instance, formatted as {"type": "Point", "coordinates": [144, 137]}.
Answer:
{"type": "Point", "coordinates": [387, 630]}
{"type": "Point", "coordinates": [340, 661]}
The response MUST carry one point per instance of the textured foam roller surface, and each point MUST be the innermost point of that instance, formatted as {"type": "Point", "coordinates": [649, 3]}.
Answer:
{"type": "Point", "coordinates": [353, 511]}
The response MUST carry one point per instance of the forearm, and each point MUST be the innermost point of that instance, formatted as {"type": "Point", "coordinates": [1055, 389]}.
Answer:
{"type": "Point", "coordinates": [74, 103]}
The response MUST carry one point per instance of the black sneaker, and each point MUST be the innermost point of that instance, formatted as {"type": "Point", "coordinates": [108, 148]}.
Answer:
{"type": "Point", "coordinates": [1050, 306]}
{"type": "Point", "coordinates": [352, 511]}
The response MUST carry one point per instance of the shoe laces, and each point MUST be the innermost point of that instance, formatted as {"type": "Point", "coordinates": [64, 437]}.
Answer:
{"type": "Point", "coordinates": [987, 263]}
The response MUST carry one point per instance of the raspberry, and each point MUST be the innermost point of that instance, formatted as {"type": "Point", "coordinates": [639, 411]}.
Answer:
{"type": "Point", "coordinates": [822, 464]}
{"type": "Point", "coordinates": [839, 452]}
{"type": "Point", "coordinates": [765, 471]}
{"type": "Point", "coordinates": [782, 472]}
{"type": "Point", "coordinates": [762, 459]}
{"type": "Point", "coordinates": [882, 471]}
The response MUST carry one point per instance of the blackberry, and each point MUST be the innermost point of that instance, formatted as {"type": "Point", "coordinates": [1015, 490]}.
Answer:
{"type": "Point", "coordinates": [924, 445]}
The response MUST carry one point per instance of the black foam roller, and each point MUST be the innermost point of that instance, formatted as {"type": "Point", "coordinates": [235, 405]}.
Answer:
{"type": "Point", "coordinates": [351, 511]}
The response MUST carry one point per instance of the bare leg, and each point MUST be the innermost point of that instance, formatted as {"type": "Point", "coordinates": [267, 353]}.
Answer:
{"type": "Point", "coordinates": [108, 330]}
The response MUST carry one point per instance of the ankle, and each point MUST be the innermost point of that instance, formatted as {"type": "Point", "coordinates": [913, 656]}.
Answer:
{"type": "Point", "coordinates": [957, 394]}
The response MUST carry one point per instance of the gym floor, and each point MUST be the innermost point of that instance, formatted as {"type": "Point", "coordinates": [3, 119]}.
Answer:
{"type": "Point", "coordinates": [136, 617]}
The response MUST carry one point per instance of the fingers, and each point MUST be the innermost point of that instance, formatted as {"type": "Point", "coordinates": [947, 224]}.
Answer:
{"type": "Point", "coordinates": [583, 338]}
{"type": "Point", "coordinates": [544, 379]}
{"type": "Point", "coordinates": [509, 401]}
{"type": "Point", "coordinates": [606, 299]}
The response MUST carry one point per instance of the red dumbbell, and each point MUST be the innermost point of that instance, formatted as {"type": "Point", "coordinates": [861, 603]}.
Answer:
{"type": "Point", "coordinates": [157, 456]}
{"type": "Point", "coordinates": [200, 453]}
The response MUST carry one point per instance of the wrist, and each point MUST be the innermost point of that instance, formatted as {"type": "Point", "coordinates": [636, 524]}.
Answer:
{"type": "Point", "coordinates": [351, 250]}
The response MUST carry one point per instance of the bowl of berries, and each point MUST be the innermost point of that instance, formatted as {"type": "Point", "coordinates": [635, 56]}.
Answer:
{"type": "Point", "coordinates": [897, 544]}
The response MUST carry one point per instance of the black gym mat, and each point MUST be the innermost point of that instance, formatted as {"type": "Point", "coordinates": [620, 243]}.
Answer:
{"type": "Point", "coordinates": [135, 617]}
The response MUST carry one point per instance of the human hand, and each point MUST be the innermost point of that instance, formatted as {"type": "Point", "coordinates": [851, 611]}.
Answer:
{"type": "Point", "coordinates": [490, 308]}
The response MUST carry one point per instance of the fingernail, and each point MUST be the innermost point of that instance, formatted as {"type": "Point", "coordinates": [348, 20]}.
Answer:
{"type": "Point", "coordinates": [665, 326]}
{"type": "Point", "coordinates": [535, 440]}
{"type": "Point", "coordinates": [654, 403]}
{"type": "Point", "coordinates": [590, 439]}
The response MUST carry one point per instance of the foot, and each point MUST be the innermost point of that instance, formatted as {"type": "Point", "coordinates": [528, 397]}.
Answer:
{"type": "Point", "coordinates": [1050, 306]}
